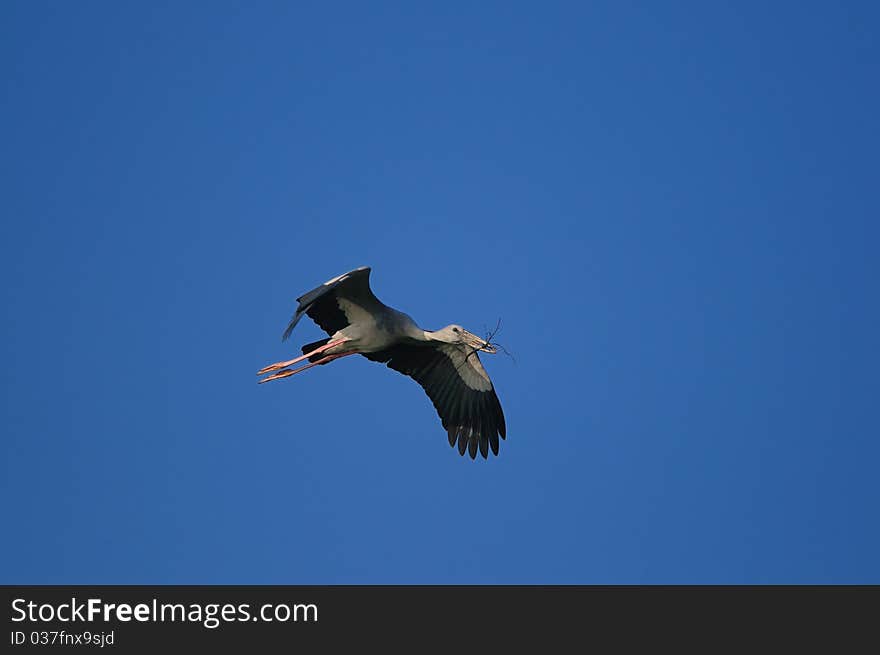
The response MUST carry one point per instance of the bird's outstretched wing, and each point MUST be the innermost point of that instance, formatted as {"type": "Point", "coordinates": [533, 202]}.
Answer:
{"type": "Point", "coordinates": [333, 304]}
{"type": "Point", "coordinates": [459, 388]}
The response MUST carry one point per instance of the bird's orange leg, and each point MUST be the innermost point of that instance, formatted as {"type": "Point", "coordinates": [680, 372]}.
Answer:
{"type": "Point", "coordinates": [286, 373]}
{"type": "Point", "coordinates": [279, 365]}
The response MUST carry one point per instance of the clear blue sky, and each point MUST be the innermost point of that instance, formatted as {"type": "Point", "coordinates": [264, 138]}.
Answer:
{"type": "Point", "coordinates": [672, 206]}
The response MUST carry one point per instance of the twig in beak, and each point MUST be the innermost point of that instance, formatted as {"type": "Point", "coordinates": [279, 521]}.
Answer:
{"type": "Point", "coordinates": [495, 345]}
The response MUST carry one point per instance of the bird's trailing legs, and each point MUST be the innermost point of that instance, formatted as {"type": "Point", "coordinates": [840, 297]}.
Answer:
{"type": "Point", "coordinates": [291, 362]}
{"type": "Point", "coordinates": [286, 373]}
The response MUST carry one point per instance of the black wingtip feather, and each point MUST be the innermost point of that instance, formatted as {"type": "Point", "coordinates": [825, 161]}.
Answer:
{"type": "Point", "coordinates": [293, 321]}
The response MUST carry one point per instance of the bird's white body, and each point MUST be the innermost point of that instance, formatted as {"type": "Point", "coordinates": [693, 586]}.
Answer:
{"type": "Point", "coordinates": [371, 332]}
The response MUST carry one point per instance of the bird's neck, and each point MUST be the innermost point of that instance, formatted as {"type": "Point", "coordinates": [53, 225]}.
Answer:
{"type": "Point", "coordinates": [412, 330]}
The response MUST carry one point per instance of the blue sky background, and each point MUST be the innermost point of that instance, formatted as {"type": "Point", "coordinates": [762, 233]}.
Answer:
{"type": "Point", "coordinates": [672, 206]}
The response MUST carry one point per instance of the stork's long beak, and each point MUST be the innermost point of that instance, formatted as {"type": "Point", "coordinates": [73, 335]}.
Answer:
{"type": "Point", "coordinates": [480, 344]}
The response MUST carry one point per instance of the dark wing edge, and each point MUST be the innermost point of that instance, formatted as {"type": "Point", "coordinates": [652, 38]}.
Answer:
{"type": "Point", "coordinates": [321, 306]}
{"type": "Point", "coordinates": [472, 418]}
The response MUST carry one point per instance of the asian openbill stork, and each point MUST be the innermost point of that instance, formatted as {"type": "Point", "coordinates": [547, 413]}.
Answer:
{"type": "Point", "coordinates": [444, 363]}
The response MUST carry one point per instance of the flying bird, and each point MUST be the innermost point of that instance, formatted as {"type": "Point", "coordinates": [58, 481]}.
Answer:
{"type": "Point", "coordinates": [444, 362]}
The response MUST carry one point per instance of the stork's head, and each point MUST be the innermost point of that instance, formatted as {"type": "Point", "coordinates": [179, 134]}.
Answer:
{"type": "Point", "coordinates": [457, 334]}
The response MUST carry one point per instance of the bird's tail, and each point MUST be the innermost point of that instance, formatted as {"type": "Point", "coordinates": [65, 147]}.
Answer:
{"type": "Point", "coordinates": [309, 347]}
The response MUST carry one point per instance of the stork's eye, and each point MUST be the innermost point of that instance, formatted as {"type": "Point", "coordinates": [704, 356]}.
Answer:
{"type": "Point", "coordinates": [455, 329]}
